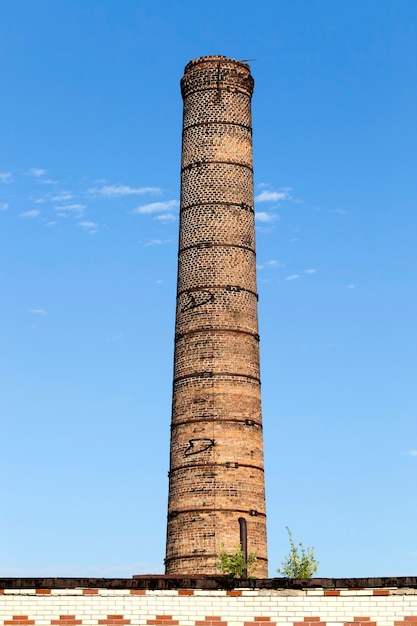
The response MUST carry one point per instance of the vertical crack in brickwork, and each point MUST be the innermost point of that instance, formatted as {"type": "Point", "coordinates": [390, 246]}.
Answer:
{"type": "Point", "coordinates": [216, 463]}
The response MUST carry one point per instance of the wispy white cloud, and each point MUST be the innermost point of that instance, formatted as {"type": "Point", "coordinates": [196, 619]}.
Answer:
{"type": "Point", "coordinates": [272, 196]}
{"type": "Point", "coordinates": [116, 191]}
{"type": "Point", "coordinates": [324, 210]}
{"type": "Point", "coordinates": [410, 453]}
{"type": "Point", "coordinates": [31, 213]}
{"type": "Point", "coordinates": [91, 227]}
{"type": "Point", "coordinates": [157, 207]}
{"type": "Point", "coordinates": [272, 263]}
{"type": "Point", "coordinates": [351, 286]}
{"type": "Point", "coordinates": [48, 181]}
{"type": "Point", "coordinates": [310, 271]}
{"type": "Point", "coordinates": [50, 224]}
{"type": "Point", "coordinates": [292, 277]}
{"type": "Point", "coordinates": [4, 206]}
{"type": "Point", "coordinates": [5, 177]}
{"type": "Point", "coordinates": [153, 242]}
{"type": "Point", "coordinates": [165, 217]}
{"type": "Point", "coordinates": [37, 311]}
{"type": "Point", "coordinates": [156, 242]}
{"type": "Point", "coordinates": [63, 196]}
{"type": "Point", "coordinates": [265, 218]}
{"type": "Point", "coordinates": [64, 210]}
{"type": "Point", "coordinates": [37, 172]}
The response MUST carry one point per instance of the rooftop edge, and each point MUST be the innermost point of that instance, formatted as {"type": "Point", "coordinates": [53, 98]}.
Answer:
{"type": "Point", "coordinates": [161, 582]}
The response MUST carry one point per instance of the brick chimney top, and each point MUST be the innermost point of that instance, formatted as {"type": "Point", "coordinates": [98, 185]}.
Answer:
{"type": "Point", "coordinates": [214, 59]}
{"type": "Point", "coordinates": [216, 72]}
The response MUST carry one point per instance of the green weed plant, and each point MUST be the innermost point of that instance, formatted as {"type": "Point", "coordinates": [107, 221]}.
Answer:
{"type": "Point", "coordinates": [233, 564]}
{"type": "Point", "coordinates": [300, 562]}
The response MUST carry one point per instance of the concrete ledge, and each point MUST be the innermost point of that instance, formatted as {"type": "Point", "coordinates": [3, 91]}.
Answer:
{"type": "Point", "coordinates": [160, 582]}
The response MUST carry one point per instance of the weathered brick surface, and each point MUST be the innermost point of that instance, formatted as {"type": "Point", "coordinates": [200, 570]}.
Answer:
{"type": "Point", "coordinates": [216, 465]}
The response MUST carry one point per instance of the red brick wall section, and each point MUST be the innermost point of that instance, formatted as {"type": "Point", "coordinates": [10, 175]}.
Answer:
{"type": "Point", "coordinates": [310, 621]}
{"type": "Point", "coordinates": [360, 621]}
{"type": "Point", "coordinates": [163, 620]}
{"type": "Point", "coordinates": [210, 620]}
{"type": "Point", "coordinates": [213, 620]}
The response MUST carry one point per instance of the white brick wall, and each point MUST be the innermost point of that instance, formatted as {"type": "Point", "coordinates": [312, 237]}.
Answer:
{"type": "Point", "coordinates": [244, 607]}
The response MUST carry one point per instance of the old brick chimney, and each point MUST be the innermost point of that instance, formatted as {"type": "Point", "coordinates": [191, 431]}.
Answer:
{"type": "Point", "coordinates": [216, 468]}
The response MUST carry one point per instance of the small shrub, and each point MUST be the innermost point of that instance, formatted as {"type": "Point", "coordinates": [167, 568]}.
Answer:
{"type": "Point", "coordinates": [234, 564]}
{"type": "Point", "coordinates": [300, 562]}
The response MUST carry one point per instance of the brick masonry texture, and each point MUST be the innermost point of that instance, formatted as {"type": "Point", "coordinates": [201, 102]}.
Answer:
{"type": "Point", "coordinates": [216, 464]}
{"type": "Point", "coordinates": [204, 607]}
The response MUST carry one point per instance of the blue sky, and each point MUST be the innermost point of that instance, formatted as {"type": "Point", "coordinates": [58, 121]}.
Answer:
{"type": "Point", "coordinates": [89, 188]}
